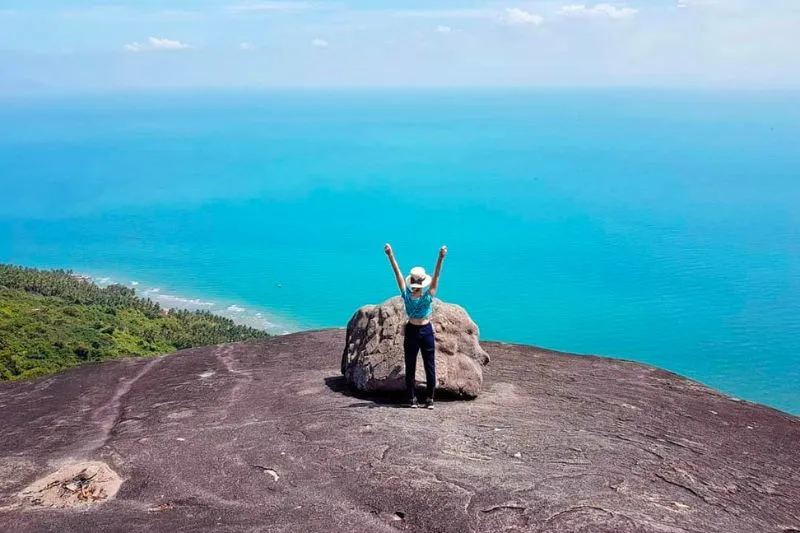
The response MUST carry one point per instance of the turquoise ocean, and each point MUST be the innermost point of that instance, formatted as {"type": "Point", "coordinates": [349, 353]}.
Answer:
{"type": "Point", "coordinates": [662, 227]}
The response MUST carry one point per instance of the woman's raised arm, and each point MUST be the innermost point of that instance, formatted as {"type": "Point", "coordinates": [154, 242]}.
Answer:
{"type": "Point", "coordinates": [401, 283]}
{"type": "Point", "coordinates": [438, 271]}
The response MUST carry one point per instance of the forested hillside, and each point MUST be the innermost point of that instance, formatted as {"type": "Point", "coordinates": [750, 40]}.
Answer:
{"type": "Point", "coordinates": [52, 320]}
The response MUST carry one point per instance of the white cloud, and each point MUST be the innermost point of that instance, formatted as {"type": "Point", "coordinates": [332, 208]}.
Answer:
{"type": "Point", "coordinates": [444, 29]}
{"type": "Point", "coordinates": [514, 15]}
{"type": "Point", "coordinates": [155, 43]}
{"type": "Point", "coordinates": [166, 44]}
{"type": "Point", "coordinates": [599, 10]}
{"type": "Point", "coordinates": [320, 43]}
{"type": "Point", "coordinates": [236, 309]}
{"type": "Point", "coordinates": [246, 47]}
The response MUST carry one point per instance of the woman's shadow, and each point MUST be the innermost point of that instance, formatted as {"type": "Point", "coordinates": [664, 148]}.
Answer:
{"type": "Point", "coordinates": [381, 399]}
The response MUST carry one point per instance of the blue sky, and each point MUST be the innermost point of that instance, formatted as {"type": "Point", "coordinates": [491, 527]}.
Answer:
{"type": "Point", "coordinates": [126, 44]}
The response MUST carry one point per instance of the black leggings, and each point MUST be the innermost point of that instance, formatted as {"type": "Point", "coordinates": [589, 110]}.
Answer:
{"type": "Point", "coordinates": [420, 338]}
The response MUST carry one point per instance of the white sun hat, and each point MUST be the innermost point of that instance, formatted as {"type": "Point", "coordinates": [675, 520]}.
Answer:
{"type": "Point", "coordinates": [418, 278]}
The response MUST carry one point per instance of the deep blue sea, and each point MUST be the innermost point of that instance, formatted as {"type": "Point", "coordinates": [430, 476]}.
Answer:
{"type": "Point", "coordinates": [654, 226]}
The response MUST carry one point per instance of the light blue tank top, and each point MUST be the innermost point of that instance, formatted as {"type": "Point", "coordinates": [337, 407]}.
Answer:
{"type": "Point", "coordinates": [418, 308]}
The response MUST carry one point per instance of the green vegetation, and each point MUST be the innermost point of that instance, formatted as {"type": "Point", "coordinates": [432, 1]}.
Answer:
{"type": "Point", "coordinates": [52, 320]}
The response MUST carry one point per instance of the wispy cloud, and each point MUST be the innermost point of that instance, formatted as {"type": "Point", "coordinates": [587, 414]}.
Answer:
{"type": "Point", "coordinates": [695, 3]}
{"type": "Point", "coordinates": [247, 47]}
{"type": "Point", "coordinates": [444, 29]}
{"type": "Point", "coordinates": [446, 13]}
{"type": "Point", "coordinates": [155, 43]}
{"type": "Point", "coordinates": [320, 43]}
{"type": "Point", "coordinates": [599, 10]}
{"type": "Point", "coordinates": [137, 12]}
{"type": "Point", "coordinates": [272, 6]}
{"type": "Point", "coordinates": [514, 15]}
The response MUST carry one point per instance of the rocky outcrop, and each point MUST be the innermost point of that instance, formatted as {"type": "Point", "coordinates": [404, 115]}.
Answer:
{"type": "Point", "coordinates": [373, 358]}
{"type": "Point", "coordinates": [268, 436]}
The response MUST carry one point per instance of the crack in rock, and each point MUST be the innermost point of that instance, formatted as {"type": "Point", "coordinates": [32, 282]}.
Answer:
{"type": "Point", "coordinates": [513, 507]}
{"type": "Point", "coordinates": [267, 470]}
{"type": "Point", "coordinates": [577, 509]}
{"type": "Point", "coordinates": [109, 423]}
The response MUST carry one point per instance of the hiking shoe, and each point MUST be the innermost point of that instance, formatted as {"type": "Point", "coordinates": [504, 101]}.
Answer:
{"type": "Point", "coordinates": [429, 403]}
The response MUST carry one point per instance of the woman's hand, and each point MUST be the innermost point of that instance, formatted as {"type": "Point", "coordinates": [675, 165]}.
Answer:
{"type": "Point", "coordinates": [442, 252]}
{"type": "Point", "coordinates": [388, 249]}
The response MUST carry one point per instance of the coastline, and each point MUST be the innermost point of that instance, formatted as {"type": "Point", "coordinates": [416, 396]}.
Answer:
{"type": "Point", "coordinates": [243, 313]}
{"type": "Point", "coordinates": [246, 314]}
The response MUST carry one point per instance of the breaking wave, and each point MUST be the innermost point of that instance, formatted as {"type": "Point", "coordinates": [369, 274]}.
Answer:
{"type": "Point", "coordinates": [246, 316]}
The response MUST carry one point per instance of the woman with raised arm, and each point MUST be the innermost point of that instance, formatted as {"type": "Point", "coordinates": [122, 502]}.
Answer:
{"type": "Point", "coordinates": [418, 290]}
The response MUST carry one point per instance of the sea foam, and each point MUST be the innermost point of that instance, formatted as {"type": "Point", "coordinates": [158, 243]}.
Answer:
{"type": "Point", "coordinates": [241, 315]}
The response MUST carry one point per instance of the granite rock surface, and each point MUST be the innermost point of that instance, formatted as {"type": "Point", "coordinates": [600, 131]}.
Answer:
{"type": "Point", "coordinates": [268, 436]}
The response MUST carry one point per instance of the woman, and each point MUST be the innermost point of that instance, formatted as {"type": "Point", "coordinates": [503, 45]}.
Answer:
{"type": "Point", "coordinates": [418, 290]}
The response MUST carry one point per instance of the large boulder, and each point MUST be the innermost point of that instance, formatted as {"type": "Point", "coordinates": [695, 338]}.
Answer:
{"type": "Point", "coordinates": [373, 355]}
